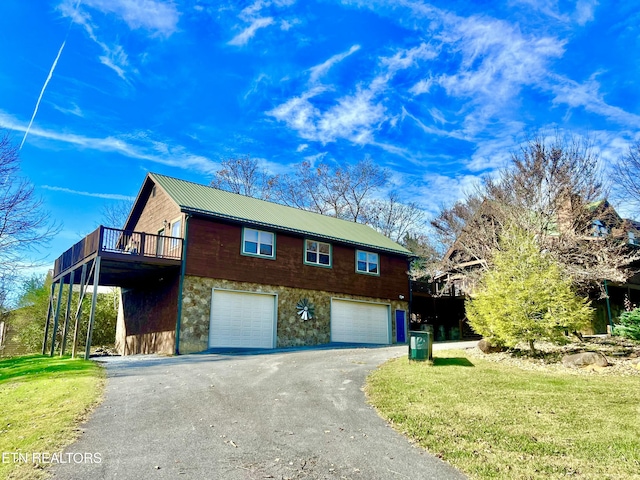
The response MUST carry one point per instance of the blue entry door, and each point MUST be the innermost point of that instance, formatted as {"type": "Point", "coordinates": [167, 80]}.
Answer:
{"type": "Point", "coordinates": [401, 326]}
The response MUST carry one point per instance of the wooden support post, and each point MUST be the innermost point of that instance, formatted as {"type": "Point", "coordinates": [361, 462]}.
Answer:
{"type": "Point", "coordinates": [46, 325]}
{"type": "Point", "coordinates": [96, 283]}
{"type": "Point", "coordinates": [63, 345]}
{"type": "Point", "coordinates": [143, 241]}
{"type": "Point", "coordinates": [76, 329]}
{"type": "Point", "coordinates": [55, 317]}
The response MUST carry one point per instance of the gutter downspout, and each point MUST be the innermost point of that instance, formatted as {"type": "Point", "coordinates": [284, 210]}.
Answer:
{"type": "Point", "coordinates": [183, 268]}
{"type": "Point", "coordinates": [410, 260]}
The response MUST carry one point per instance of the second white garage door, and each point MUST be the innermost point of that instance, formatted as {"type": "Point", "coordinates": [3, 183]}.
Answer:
{"type": "Point", "coordinates": [359, 322]}
{"type": "Point", "coordinates": [242, 319]}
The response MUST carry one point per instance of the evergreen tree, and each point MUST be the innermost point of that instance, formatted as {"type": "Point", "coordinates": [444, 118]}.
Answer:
{"type": "Point", "coordinates": [524, 296]}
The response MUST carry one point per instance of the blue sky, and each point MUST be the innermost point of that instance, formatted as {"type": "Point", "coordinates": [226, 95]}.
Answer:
{"type": "Point", "coordinates": [440, 93]}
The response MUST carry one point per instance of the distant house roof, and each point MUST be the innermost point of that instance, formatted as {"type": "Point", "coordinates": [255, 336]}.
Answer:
{"type": "Point", "coordinates": [204, 200]}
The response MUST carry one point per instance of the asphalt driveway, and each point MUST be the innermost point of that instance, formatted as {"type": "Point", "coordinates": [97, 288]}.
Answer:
{"type": "Point", "coordinates": [284, 415]}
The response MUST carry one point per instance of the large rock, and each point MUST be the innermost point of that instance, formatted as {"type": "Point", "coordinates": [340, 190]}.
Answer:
{"type": "Point", "coordinates": [585, 359]}
{"type": "Point", "coordinates": [487, 347]}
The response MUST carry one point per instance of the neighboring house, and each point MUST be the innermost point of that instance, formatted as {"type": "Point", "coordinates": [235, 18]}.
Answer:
{"type": "Point", "coordinates": [244, 274]}
{"type": "Point", "coordinates": [451, 287]}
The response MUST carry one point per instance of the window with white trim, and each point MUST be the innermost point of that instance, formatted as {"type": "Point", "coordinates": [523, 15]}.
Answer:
{"type": "Point", "coordinates": [176, 231]}
{"type": "Point", "coordinates": [258, 242]}
{"type": "Point", "coordinates": [317, 253]}
{"type": "Point", "coordinates": [367, 262]}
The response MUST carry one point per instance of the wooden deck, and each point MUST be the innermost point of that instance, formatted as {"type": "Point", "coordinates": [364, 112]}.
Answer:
{"type": "Point", "coordinates": [127, 257]}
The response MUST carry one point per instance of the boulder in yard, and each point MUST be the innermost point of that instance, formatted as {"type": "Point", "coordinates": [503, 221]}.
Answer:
{"type": "Point", "coordinates": [487, 347]}
{"type": "Point", "coordinates": [585, 359]}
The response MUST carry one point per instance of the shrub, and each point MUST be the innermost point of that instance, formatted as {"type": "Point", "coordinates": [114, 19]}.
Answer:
{"type": "Point", "coordinates": [525, 297]}
{"type": "Point", "coordinates": [28, 320]}
{"type": "Point", "coordinates": [629, 325]}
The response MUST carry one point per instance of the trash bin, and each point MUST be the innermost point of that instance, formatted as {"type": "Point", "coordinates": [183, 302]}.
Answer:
{"type": "Point", "coordinates": [421, 345]}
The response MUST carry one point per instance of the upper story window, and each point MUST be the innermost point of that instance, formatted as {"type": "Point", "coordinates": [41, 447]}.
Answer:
{"type": "Point", "coordinates": [599, 229]}
{"type": "Point", "coordinates": [317, 253]}
{"type": "Point", "coordinates": [176, 231]}
{"type": "Point", "coordinates": [258, 242]}
{"type": "Point", "coordinates": [367, 262]}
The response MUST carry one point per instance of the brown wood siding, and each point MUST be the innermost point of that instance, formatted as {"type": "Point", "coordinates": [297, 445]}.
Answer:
{"type": "Point", "coordinates": [213, 251]}
{"type": "Point", "coordinates": [152, 308]}
{"type": "Point", "coordinates": [156, 210]}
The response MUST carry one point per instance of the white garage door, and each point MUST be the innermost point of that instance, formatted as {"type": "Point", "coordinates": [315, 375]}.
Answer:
{"type": "Point", "coordinates": [359, 322]}
{"type": "Point", "coordinates": [242, 319]}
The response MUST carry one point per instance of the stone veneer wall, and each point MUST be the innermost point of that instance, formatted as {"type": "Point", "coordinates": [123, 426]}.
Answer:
{"type": "Point", "coordinates": [292, 331]}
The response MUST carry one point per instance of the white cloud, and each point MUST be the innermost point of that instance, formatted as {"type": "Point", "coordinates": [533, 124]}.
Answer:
{"type": "Point", "coordinates": [116, 59]}
{"type": "Point", "coordinates": [108, 196]}
{"type": "Point", "coordinates": [312, 159]}
{"type": "Point", "coordinates": [546, 7]}
{"type": "Point", "coordinates": [423, 86]}
{"type": "Point", "coordinates": [255, 85]}
{"type": "Point", "coordinates": [320, 70]}
{"type": "Point", "coordinates": [73, 110]}
{"type": "Point", "coordinates": [494, 153]}
{"type": "Point", "coordinates": [496, 59]}
{"type": "Point", "coordinates": [585, 11]}
{"type": "Point", "coordinates": [587, 95]}
{"type": "Point", "coordinates": [252, 11]}
{"type": "Point", "coordinates": [286, 25]}
{"type": "Point", "coordinates": [353, 117]}
{"type": "Point", "coordinates": [302, 147]}
{"type": "Point", "coordinates": [431, 129]}
{"type": "Point", "coordinates": [248, 33]}
{"type": "Point", "coordinates": [406, 58]}
{"type": "Point", "coordinates": [160, 18]}
{"type": "Point", "coordinates": [437, 190]}
{"type": "Point", "coordinates": [138, 146]}
{"type": "Point", "coordinates": [114, 56]}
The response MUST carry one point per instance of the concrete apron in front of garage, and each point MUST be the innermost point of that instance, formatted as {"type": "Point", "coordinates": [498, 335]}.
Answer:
{"type": "Point", "coordinates": [289, 414]}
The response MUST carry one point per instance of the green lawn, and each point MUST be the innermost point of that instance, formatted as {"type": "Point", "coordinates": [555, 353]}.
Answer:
{"type": "Point", "coordinates": [495, 421]}
{"type": "Point", "coordinates": [42, 401]}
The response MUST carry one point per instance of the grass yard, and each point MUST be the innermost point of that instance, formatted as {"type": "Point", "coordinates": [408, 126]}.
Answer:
{"type": "Point", "coordinates": [498, 421]}
{"type": "Point", "coordinates": [42, 401]}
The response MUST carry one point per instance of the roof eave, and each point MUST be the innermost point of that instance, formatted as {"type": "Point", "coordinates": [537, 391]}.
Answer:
{"type": "Point", "coordinates": [207, 213]}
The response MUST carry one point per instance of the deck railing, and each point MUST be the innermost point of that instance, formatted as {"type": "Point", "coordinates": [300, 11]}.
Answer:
{"type": "Point", "coordinates": [126, 242]}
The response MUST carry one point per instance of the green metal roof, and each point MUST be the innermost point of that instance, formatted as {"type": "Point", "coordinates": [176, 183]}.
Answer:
{"type": "Point", "coordinates": [205, 200]}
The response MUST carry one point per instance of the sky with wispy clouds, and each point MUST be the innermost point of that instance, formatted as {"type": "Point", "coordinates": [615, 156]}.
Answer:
{"type": "Point", "coordinates": [440, 93]}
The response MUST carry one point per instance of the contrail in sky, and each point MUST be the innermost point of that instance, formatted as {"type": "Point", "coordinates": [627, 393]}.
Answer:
{"type": "Point", "coordinates": [46, 82]}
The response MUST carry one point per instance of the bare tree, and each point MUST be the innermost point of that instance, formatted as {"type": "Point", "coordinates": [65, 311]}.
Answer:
{"type": "Point", "coordinates": [24, 225]}
{"type": "Point", "coordinates": [554, 191]}
{"type": "Point", "coordinates": [393, 218]}
{"type": "Point", "coordinates": [627, 176]}
{"type": "Point", "coordinates": [358, 182]}
{"type": "Point", "coordinates": [115, 214]}
{"type": "Point", "coordinates": [244, 176]}
{"type": "Point", "coordinates": [341, 191]}
{"type": "Point", "coordinates": [426, 263]}
{"type": "Point", "coordinates": [312, 188]}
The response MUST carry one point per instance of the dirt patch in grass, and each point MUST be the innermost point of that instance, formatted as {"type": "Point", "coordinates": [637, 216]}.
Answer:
{"type": "Point", "coordinates": [622, 355]}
